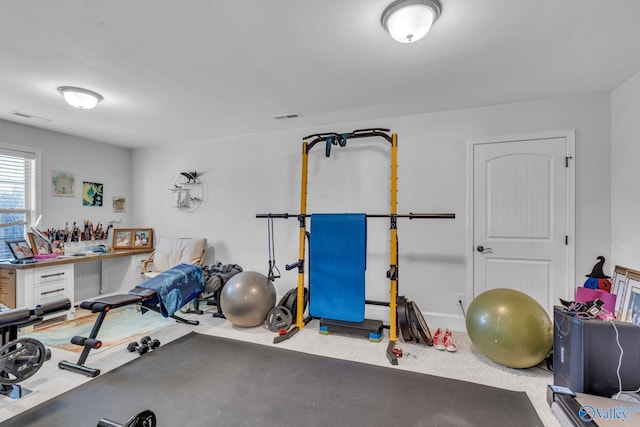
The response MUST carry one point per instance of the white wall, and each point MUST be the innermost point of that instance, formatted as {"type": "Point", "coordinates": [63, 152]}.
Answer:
{"type": "Point", "coordinates": [252, 174]}
{"type": "Point", "coordinates": [625, 173]}
{"type": "Point", "coordinates": [89, 160]}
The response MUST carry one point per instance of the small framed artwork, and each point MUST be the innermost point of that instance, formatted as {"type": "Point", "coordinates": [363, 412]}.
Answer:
{"type": "Point", "coordinates": [631, 303]}
{"type": "Point", "coordinates": [142, 238]}
{"type": "Point", "coordinates": [119, 204]}
{"type": "Point", "coordinates": [63, 183]}
{"type": "Point", "coordinates": [40, 246]}
{"type": "Point", "coordinates": [122, 238]}
{"type": "Point", "coordinates": [92, 193]}
{"type": "Point", "coordinates": [619, 286]}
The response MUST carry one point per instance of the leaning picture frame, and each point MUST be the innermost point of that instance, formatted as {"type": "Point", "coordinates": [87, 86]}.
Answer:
{"type": "Point", "coordinates": [122, 238]}
{"type": "Point", "coordinates": [40, 245]}
{"type": "Point", "coordinates": [618, 287]}
{"type": "Point", "coordinates": [142, 238]}
{"type": "Point", "coordinates": [631, 302]}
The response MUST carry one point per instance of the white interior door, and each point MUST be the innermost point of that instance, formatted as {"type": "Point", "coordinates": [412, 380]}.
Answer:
{"type": "Point", "coordinates": [523, 217]}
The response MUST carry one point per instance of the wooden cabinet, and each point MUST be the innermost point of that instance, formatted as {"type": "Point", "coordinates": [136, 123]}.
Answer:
{"type": "Point", "coordinates": [8, 288]}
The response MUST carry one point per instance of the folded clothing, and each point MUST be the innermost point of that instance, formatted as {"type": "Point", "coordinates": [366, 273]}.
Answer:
{"type": "Point", "coordinates": [175, 287]}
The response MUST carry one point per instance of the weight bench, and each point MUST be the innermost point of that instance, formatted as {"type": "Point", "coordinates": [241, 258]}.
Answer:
{"type": "Point", "coordinates": [22, 358]}
{"type": "Point", "coordinates": [165, 294]}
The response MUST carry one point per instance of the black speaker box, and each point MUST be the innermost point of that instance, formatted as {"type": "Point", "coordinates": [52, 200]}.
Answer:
{"type": "Point", "coordinates": [586, 354]}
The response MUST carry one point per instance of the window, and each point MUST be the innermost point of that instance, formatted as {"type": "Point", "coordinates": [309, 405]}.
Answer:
{"type": "Point", "coordinates": [17, 194]}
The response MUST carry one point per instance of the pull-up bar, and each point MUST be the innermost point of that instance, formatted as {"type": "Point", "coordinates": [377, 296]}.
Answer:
{"type": "Point", "coordinates": [333, 138]}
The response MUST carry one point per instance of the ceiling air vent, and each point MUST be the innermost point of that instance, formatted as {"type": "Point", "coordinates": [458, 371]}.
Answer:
{"type": "Point", "coordinates": [287, 116]}
{"type": "Point", "coordinates": [31, 116]}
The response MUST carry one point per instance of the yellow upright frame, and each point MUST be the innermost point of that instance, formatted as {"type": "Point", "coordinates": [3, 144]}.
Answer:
{"type": "Point", "coordinates": [393, 235]}
{"type": "Point", "coordinates": [303, 231]}
{"type": "Point", "coordinates": [341, 139]}
{"type": "Point", "coordinates": [393, 241]}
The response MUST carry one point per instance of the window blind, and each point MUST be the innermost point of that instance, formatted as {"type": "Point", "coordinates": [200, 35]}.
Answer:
{"type": "Point", "coordinates": [17, 194]}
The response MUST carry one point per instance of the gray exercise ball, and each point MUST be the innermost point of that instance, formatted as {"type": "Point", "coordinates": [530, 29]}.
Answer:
{"type": "Point", "coordinates": [247, 298]}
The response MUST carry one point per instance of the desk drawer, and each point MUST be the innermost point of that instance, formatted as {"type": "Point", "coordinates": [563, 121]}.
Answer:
{"type": "Point", "coordinates": [50, 291]}
{"type": "Point", "coordinates": [43, 276]}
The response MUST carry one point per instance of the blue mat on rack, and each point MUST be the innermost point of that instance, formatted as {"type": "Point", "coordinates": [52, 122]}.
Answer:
{"type": "Point", "coordinates": [337, 264]}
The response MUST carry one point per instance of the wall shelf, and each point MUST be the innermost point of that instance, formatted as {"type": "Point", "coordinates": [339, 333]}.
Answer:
{"type": "Point", "coordinates": [186, 192]}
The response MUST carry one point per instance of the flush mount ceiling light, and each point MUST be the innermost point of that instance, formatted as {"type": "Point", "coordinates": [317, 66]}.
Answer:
{"type": "Point", "coordinates": [78, 97]}
{"type": "Point", "coordinates": [410, 20]}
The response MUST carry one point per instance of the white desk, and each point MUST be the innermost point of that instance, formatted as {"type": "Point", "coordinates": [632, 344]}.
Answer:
{"type": "Point", "coordinates": [26, 285]}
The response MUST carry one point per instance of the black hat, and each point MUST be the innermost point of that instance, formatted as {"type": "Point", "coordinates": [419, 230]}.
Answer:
{"type": "Point", "coordinates": [597, 272]}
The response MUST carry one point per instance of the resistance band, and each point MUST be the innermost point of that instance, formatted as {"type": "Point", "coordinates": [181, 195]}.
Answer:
{"type": "Point", "coordinates": [274, 272]}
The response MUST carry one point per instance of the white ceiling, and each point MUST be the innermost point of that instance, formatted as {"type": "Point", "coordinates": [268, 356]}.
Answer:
{"type": "Point", "coordinates": [173, 71]}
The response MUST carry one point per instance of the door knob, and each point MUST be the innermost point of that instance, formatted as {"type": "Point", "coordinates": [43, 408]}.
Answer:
{"type": "Point", "coordinates": [481, 249]}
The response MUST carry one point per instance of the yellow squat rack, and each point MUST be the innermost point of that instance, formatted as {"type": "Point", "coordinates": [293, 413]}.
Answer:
{"type": "Point", "coordinates": [332, 139]}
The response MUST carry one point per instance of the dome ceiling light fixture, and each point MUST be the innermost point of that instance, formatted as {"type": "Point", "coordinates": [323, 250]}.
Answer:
{"type": "Point", "coordinates": [410, 20]}
{"type": "Point", "coordinates": [83, 99]}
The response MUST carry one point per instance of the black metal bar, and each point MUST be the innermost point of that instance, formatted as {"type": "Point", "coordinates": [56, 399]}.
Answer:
{"type": "Point", "coordinates": [390, 354]}
{"type": "Point", "coordinates": [409, 215]}
{"type": "Point", "coordinates": [360, 133]}
{"type": "Point", "coordinates": [381, 303]}
{"type": "Point", "coordinates": [80, 369]}
{"type": "Point", "coordinates": [175, 317]}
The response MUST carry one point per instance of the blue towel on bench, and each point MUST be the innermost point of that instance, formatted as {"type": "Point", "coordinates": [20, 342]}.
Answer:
{"type": "Point", "coordinates": [175, 287]}
{"type": "Point", "coordinates": [337, 264]}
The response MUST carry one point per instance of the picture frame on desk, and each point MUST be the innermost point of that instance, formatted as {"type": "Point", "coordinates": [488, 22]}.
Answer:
{"type": "Point", "coordinates": [631, 304]}
{"type": "Point", "coordinates": [58, 247]}
{"type": "Point", "coordinates": [619, 287]}
{"type": "Point", "coordinates": [142, 238]}
{"type": "Point", "coordinates": [40, 246]}
{"type": "Point", "coordinates": [122, 238]}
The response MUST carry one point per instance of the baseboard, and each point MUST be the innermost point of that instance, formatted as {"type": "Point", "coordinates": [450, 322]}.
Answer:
{"type": "Point", "coordinates": [455, 322]}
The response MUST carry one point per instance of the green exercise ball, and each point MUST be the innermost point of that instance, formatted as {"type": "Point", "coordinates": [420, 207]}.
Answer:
{"type": "Point", "coordinates": [510, 328]}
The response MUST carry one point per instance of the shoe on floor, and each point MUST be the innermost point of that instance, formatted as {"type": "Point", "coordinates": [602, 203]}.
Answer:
{"type": "Point", "coordinates": [438, 340]}
{"type": "Point", "coordinates": [443, 340]}
{"type": "Point", "coordinates": [449, 343]}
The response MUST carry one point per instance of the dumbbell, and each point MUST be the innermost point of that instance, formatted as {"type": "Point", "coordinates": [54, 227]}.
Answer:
{"type": "Point", "coordinates": [134, 346]}
{"type": "Point", "coordinates": [146, 344]}
{"type": "Point", "coordinates": [146, 340]}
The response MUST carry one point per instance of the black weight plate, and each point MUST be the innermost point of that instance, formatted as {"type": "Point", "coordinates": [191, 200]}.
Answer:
{"type": "Point", "coordinates": [145, 418]}
{"type": "Point", "coordinates": [279, 318]}
{"type": "Point", "coordinates": [413, 328]}
{"type": "Point", "coordinates": [20, 359]}
{"type": "Point", "coordinates": [290, 301]}
{"type": "Point", "coordinates": [285, 298]}
{"type": "Point", "coordinates": [305, 295]}
{"type": "Point", "coordinates": [402, 318]}
{"type": "Point", "coordinates": [421, 325]}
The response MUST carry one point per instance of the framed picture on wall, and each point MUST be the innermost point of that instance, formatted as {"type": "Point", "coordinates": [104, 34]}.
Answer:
{"type": "Point", "coordinates": [63, 183]}
{"type": "Point", "coordinates": [122, 238]}
{"type": "Point", "coordinates": [40, 246]}
{"type": "Point", "coordinates": [619, 286]}
{"type": "Point", "coordinates": [142, 238]}
{"type": "Point", "coordinates": [119, 204]}
{"type": "Point", "coordinates": [92, 193]}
